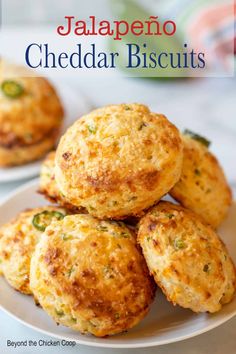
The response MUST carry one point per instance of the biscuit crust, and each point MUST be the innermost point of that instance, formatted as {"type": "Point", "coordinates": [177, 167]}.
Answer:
{"type": "Point", "coordinates": [48, 186]}
{"type": "Point", "coordinates": [19, 155]}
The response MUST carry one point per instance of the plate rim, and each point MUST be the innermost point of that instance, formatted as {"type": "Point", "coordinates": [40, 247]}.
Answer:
{"type": "Point", "coordinates": [152, 343]}
{"type": "Point", "coordinates": [116, 345]}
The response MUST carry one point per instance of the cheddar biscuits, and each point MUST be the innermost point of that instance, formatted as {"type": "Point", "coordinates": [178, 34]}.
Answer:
{"type": "Point", "coordinates": [118, 160]}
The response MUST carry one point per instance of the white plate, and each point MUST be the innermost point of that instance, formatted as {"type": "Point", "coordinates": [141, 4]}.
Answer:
{"type": "Point", "coordinates": [75, 105]}
{"type": "Point", "coordinates": [164, 323]}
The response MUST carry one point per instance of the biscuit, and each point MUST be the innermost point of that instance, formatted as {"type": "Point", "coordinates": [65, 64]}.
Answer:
{"type": "Point", "coordinates": [118, 160]}
{"type": "Point", "coordinates": [202, 187]}
{"type": "Point", "coordinates": [18, 239]}
{"type": "Point", "coordinates": [187, 259]}
{"type": "Point", "coordinates": [90, 275]}
{"type": "Point", "coordinates": [31, 115]}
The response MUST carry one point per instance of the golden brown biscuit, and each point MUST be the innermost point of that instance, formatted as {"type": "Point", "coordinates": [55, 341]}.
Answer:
{"type": "Point", "coordinates": [202, 186]}
{"type": "Point", "coordinates": [187, 259]}
{"type": "Point", "coordinates": [17, 243]}
{"type": "Point", "coordinates": [90, 275]}
{"type": "Point", "coordinates": [118, 160]}
{"type": "Point", "coordinates": [30, 117]}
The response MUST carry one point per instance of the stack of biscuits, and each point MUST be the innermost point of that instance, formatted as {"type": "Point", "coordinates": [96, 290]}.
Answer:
{"type": "Point", "coordinates": [31, 116]}
{"type": "Point", "coordinates": [94, 260]}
